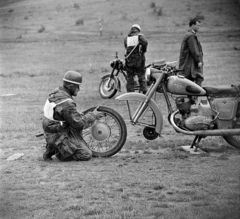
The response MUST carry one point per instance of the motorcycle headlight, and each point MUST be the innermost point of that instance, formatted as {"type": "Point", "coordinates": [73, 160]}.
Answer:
{"type": "Point", "coordinates": [112, 63]}
{"type": "Point", "coordinates": [148, 74]}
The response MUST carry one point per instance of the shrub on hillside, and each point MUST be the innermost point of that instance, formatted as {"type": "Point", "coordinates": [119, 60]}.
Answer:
{"type": "Point", "coordinates": [156, 10]}
{"type": "Point", "coordinates": [152, 5]}
{"type": "Point", "coordinates": [200, 16]}
{"type": "Point", "coordinates": [159, 11]}
{"type": "Point", "coordinates": [79, 22]}
{"type": "Point", "coordinates": [75, 5]}
{"type": "Point", "coordinates": [41, 29]}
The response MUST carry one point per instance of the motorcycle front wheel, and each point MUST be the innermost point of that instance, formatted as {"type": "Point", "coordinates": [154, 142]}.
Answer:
{"type": "Point", "coordinates": [107, 87]}
{"type": "Point", "coordinates": [107, 135]}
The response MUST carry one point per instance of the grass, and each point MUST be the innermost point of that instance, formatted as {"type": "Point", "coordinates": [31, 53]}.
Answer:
{"type": "Point", "coordinates": [104, 190]}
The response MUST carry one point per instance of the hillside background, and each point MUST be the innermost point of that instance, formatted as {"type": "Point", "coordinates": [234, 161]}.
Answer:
{"type": "Point", "coordinates": [46, 31]}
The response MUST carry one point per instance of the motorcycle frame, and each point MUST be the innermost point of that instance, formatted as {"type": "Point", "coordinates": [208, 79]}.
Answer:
{"type": "Point", "coordinates": [146, 100]}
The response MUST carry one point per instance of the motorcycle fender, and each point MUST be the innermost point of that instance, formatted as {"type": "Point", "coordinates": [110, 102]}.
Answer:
{"type": "Point", "coordinates": [117, 84]}
{"type": "Point", "coordinates": [141, 97]}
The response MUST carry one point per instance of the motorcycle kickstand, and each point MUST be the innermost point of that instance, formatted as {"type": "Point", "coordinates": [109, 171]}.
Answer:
{"type": "Point", "coordinates": [195, 142]}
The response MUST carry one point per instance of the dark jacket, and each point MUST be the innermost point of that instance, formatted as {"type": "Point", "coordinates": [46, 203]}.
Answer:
{"type": "Point", "coordinates": [190, 55]}
{"type": "Point", "coordinates": [66, 138]}
{"type": "Point", "coordinates": [137, 57]}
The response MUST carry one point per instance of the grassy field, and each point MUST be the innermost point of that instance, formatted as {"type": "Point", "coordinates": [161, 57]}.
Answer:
{"type": "Point", "coordinates": [40, 41]}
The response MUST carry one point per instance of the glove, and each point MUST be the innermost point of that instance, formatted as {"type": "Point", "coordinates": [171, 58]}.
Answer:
{"type": "Point", "coordinates": [97, 113]}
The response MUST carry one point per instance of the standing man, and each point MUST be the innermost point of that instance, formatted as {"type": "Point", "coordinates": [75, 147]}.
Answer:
{"type": "Point", "coordinates": [191, 54]}
{"type": "Point", "coordinates": [63, 124]}
{"type": "Point", "coordinates": [136, 46]}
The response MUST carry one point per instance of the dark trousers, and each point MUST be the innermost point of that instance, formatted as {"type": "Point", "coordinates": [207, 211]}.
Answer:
{"type": "Point", "coordinates": [140, 72]}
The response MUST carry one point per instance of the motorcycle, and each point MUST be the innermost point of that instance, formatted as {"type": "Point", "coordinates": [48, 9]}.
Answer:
{"type": "Point", "coordinates": [110, 83]}
{"type": "Point", "coordinates": [194, 110]}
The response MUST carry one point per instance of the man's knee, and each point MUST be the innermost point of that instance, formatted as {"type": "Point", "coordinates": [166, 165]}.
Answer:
{"type": "Point", "coordinates": [81, 155]}
{"type": "Point", "coordinates": [88, 155]}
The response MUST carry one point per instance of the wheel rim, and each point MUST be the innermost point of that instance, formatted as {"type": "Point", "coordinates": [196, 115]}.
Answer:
{"type": "Point", "coordinates": [104, 135]}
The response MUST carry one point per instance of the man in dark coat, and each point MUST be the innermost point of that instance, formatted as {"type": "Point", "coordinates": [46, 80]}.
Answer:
{"type": "Point", "coordinates": [136, 46]}
{"type": "Point", "coordinates": [63, 124]}
{"type": "Point", "coordinates": [191, 54]}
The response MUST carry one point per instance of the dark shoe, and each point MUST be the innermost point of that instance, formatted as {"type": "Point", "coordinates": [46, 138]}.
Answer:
{"type": "Point", "coordinates": [47, 156]}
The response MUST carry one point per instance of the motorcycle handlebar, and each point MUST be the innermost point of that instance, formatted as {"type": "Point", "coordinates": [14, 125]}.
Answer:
{"type": "Point", "coordinates": [167, 63]}
{"type": "Point", "coordinates": [171, 63]}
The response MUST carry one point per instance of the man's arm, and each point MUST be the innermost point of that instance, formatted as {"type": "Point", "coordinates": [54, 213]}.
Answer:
{"type": "Point", "coordinates": [75, 119]}
{"type": "Point", "coordinates": [194, 50]}
{"type": "Point", "coordinates": [143, 42]}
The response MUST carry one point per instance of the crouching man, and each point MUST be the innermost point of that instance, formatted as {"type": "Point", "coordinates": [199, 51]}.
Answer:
{"type": "Point", "coordinates": [63, 124]}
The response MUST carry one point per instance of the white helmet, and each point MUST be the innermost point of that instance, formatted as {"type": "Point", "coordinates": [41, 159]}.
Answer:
{"type": "Point", "coordinates": [136, 26]}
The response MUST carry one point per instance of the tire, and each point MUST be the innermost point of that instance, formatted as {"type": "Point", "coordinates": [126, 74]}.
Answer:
{"type": "Point", "coordinates": [233, 140]}
{"type": "Point", "coordinates": [105, 91]}
{"type": "Point", "coordinates": [108, 135]}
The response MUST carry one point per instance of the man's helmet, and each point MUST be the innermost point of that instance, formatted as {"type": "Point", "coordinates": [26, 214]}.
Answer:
{"type": "Point", "coordinates": [136, 26]}
{"type": "Point", "coordinates": [73, 77]}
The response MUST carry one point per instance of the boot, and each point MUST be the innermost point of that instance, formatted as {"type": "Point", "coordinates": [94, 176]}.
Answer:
{"type": "Point", "coordinates": [50, 151]}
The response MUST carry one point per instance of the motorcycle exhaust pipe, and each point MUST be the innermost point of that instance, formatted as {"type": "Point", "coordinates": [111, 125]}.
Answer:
{"type": "Point", "coordinates": [216, 132]}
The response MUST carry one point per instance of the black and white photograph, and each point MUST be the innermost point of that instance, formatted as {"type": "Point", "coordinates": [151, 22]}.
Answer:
{"type": "Point", "coordinates": [119, 109]}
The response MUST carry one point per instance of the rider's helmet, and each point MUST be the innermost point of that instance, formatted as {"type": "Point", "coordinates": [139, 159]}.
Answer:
{"type": "Point", "coordinates": [136, 26]}
{"type": "Point", "coordinates": [73, 77]}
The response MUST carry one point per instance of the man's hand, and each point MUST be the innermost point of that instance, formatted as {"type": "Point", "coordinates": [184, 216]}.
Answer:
{"type": "Point", "coordinates": [97, 113]}
{"type": "Point", "coordinates": [200, 64]}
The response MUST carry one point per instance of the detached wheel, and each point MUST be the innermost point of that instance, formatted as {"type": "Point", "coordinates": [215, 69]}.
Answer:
{"type": "Point", "coordinates": [107, 87]}
{"type": "Point", "coordinates": [150, 133]}
{"type": "Point", "coordinates": [108, 135]}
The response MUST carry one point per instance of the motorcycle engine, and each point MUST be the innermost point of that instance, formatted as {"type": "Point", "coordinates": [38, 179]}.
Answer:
{"type": "Point", "coordinates": [197, 122]}
{"type": "Point", "coordinates": [195, 117]}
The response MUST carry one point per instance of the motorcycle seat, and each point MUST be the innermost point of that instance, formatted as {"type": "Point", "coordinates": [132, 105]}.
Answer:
{"type": "Point", "coordinates": [159, 63]}
{"type": "Point", "coordinates": [223, 90]}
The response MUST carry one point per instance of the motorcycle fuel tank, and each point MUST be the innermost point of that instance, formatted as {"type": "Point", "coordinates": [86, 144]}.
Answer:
{"type": "Point", "coordinates": [181, 85]}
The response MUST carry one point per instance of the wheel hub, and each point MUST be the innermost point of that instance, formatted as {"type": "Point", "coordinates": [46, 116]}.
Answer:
{"type": "Point", "coordinates": [100, 131]}
{"type": "Point", "coordinates": [106, 86]}
{"type": "Point", "coordinates": [150, 133]}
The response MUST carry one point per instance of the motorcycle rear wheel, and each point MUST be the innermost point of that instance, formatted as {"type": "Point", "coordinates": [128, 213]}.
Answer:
{"type": "Point", "coordinates": [233, 140]}
{"type": "Point", "coordinates": [108, 135]}
{"type": "Point", "coordinates": [107, 89]}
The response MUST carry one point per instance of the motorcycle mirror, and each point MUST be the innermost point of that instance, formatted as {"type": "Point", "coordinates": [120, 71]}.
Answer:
{"type": "Point", "coordinates": [116, 55]}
